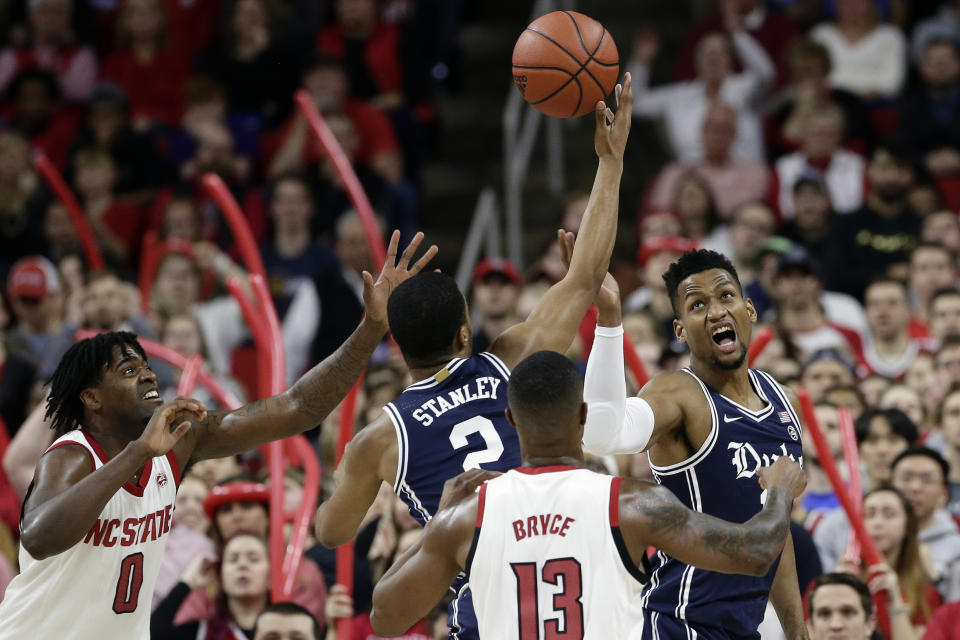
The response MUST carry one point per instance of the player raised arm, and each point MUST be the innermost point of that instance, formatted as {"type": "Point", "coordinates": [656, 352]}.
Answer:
{"type": "Point", "coordinates": [553, 323]}
{"type": "Point", "coordinates": [321, 389]}
{"type": "Point", "coordinates": [67, 494]}
{"type": "Point", "coordinates": [651, 515]}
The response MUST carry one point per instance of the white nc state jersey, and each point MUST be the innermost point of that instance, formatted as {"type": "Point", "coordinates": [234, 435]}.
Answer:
{"type": "Point", "coordinates": [548, 560]}
{"type": "Point", "coordinates": [101, 587]}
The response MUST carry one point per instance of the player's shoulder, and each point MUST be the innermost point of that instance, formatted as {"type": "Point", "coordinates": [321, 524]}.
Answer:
{"type": "Point", "coordinates": [671, 382]}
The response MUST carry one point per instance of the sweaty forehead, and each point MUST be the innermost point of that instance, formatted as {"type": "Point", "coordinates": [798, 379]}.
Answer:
{"type": "Point", "coordinates": [123, 353]}
{"type": "Point", "coordinates": [708, 280]}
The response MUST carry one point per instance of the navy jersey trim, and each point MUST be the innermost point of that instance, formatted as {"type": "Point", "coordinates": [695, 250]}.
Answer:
{"type": "Point", "coordinates": [783, 398]}
{"type": "Point", "coordinates": [642, 573]}
{"type": "Point", "coordinates": [455, 628]}
{"type": "Point", "coordinates": [468, 565]}
{"type": "Point", "coordinates": [402, 447]}
{"type": "Point", "coordinates": [707, 445]}
{"type": "Point", "coordinates": [498, 363]}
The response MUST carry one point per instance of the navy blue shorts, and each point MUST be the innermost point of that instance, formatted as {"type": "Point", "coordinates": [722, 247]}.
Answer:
{"type": "Point", "coordinates": [658, 626]}
{"type": "Point", "coordinates": [462, 618]}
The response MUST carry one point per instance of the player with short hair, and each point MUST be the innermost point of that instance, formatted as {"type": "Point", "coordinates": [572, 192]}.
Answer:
{"type": "Point", "coordinates": [552, 549]}
{"type": "Point", "coordinates": [452, 418]}
{"type": "Point", "coordinates": [710, 429]}
{"type": "Point", "coordinates": [840, 608]}
{"type": "Point", "coordinates": [98, 512]}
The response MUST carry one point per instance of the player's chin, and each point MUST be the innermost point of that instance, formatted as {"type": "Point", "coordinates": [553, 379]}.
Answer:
{"type": "Point", "coordinates": [732, 360]}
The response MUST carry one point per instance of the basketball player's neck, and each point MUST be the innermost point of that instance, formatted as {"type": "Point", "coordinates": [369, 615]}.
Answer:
{"type": "Point", "coordinates": [553, 461]}
{"type": "Point", "coordinates": [112, 438]}
{"type": "Point", "coordinates": [554, 453]}
{"type": "Point", "coordinates": [732, 383]}
{"type": "Point", "coordinates": [422, 371]}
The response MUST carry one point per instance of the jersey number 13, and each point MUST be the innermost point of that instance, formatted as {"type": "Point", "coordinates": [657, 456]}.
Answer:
{"type": "Point", "coordinates": [560, 572]}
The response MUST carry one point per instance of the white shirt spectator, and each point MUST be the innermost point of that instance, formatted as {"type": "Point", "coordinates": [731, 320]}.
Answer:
{"type": "Point", "coordinates": [844, 179]}
{"type": "Point", "coordinates": [874, 65]}
{"type": "Point", "coordinates": [684, 104]}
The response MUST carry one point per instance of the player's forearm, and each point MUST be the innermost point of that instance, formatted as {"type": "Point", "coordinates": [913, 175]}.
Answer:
{"type": "Point", "coordinates": [62, 521]}
{"type": "Point", "coordinates": [785, 594]}
{"type": "Point", "coordinates": [598, 230]}
{"type": "Point", "coordinates": [769, 529]}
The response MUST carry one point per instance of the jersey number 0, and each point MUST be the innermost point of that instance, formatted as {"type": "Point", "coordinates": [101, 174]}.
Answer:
{"type": "Point", "coordinates": [129, 583]}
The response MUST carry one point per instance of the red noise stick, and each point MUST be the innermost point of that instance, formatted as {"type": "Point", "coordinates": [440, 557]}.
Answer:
{"type": "Point", "coordinates": [237, 222]}
{"type": "Point", "coordinates": [851, 457]}
{"type": "Point", "coordinates": [345, 551]}
{"type": "Point", "coordinates": [87, 238]}
{"type": "Point", "coordinates": [759, 343]}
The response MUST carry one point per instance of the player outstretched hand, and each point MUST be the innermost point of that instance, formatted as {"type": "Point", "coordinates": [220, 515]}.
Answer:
{"type": "Point", "coordinates": [783, 473]}
{"type": "Point", "coordinates": [459, 488]}
{"type": "Point", "coordinates": [376, 294]}
{"type": "Point", "coordinates": [161, 434]}
{"type": "Point", "coordinates": [610, 137]}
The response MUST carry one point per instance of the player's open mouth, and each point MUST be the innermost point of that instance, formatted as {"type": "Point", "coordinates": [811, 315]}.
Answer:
{"type": "Point", "coordinates": [153, 394]}
{"type": "Point", "coordinates": [725, 337]}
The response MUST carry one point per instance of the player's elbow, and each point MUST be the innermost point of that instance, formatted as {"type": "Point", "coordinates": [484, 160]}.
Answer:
{"type": "Point", "coordinates": [327, 533]}
{"type": "Point", "coordinates": [38, 541]}
{"type": "Point", "coordinates": [386, 623]}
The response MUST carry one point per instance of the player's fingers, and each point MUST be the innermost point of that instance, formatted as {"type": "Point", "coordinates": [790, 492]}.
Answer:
{"type": "Point", "coordinates": [392, 249]}
{"type": "Point", "coordinates": [601, 114]}
{"type": "Point", "coordinates": [617, 90]}
{"type": "Point", "coordinates": [610, 117]}
{"type": "Point", "coordinates": [410, 250]}
{"type": "Point", "coordinates": [424, 260]}
{"type": "Point", "coordinates": [181, 430]}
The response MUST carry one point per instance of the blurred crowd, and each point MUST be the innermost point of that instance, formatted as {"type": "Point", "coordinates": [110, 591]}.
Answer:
{"type": "Point", "coordinates": [814, 142]}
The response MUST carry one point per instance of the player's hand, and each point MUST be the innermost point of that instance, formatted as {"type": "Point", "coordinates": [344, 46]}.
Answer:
{"type": "Point", "coordinates": [610, 137]}
{"type": "Point", "coordinates": [461, 487]}
{"type": "Point", "coordinates": [376, 294]}
{"type": "Point", "coordinates": [200, 572]}
{"type": "Point", "coordinates": [339, 604]}
{"type": "Point", "coordinates": [608, 297]}
{"type": "Point", "coordinates": [783, 473]}
{"type": "Point", "coordinates": [169, 423]}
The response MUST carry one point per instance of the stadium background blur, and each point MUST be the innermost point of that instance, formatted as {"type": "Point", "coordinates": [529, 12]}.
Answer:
{"type": "Point", "coordinates": [816, 143]}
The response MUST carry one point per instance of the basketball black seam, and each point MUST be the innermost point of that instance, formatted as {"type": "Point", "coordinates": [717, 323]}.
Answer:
{"type": "Point", "coordinates": [574, 76]}
{"type": "Point", "coordinates": [590, 54]}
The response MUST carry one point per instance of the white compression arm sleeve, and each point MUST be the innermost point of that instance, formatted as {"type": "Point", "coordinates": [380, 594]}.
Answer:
{"type": "Point", "coordinates": [615, 423]}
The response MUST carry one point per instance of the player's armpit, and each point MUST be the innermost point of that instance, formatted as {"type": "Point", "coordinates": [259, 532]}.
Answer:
{"type": "Point", "coordinates": [420, 578]}
{"type": "Point", "coordinates": [651, 515]}
{"type": "Point", "coordinates": [665, 394]}
{"type": "Point", "coordinates": [363, 467]}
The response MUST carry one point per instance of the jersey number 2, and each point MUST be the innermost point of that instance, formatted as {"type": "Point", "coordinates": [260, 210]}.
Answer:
{"type": "Point", "coordinates": [566, 601]}
{"type": "Point", "coordinates": [129, 583]}
{"type": "Point", "coordinates": [477, 424]}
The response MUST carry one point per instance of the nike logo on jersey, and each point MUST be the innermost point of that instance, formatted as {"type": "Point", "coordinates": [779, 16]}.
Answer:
{"type": "Point", "coordinates": [479, 389]}
{"type": "Point", "coordinates": [727, 418]}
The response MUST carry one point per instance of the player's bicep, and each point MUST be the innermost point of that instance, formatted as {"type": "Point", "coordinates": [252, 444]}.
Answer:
{"type": "Point", "coordinates": [551, 326]}
{"type": "Point", "coordinates": [665, 394]}
{"type": "Point", "coordinates": [57, 471]}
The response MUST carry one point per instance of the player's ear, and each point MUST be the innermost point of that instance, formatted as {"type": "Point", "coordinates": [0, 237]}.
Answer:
{"type": "Point", "coordinates": [751, 310]}
{"type": "Point", "coordinates": [509, 416]}
{"type": "Point", "coordinates": [679, 331]}
{"type": "Point", "coordinates": [583, 414]}
{"type": "Point", "coordinates": [463, 337]}
{"type": "Point", "coordinates": [90, 399]}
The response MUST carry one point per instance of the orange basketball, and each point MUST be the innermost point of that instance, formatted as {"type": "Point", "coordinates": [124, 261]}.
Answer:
{"type": "Point", "coordinates": [564, 62]}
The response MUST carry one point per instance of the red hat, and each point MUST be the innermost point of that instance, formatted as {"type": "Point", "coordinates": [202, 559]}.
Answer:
{"type": "Point", "coordinates": [500, 266]}
{"type": "Point", "coordinates": [673, 244]}
{"type": "Point", "coordinates": [235, 492]}
{"type": "Point", "coordinates": [32, 277]}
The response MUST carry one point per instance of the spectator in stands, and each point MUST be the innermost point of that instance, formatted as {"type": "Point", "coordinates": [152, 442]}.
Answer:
{"type": "Point", "coordinates": [813, 216]}
{"type": "Point", "coordinates": [872, 387]}
{"type": "Point", "coordinates": [946, 362]}
{"type": "Point", "coordinates": [496, 290]}
{"type": "Point", "coordinates": [340, 289]}
{"type": "Point", "coordinates": [733, 181]}
{"type": "Point", "coordinates": [889, 347]}
{"type": "Point", "coordinates": [184, 333]}
{"type": "Point", "coordinates": [879, 238]}
{"type": "Point", "coordinates": [52, 47]}
{"type": "Point", "coordinates": [107, 126]}
{"type": "Point", "coordinates": [695, 206]}
{"type": "Point", "coordinates": [117, 223]}
{"type": "Point", "coordinates": [215, 151]}
{"type": "Point", "coordinates": [215, 471]}
{"type": "Point", "coordinates": [35, 297]}
{"type": "Point", "coordinates": [932, 267]}
{"type": "Point", "coordinates": [188, 534]}
{"type": "Point", "coordinates": [653, 258]}
{"type": "Point", "coordinates": [839, 605]}
{"type": "Point", "coordinates": [254, 63]}
{"type": "Point", "coordinates": [945, 623]}
{"type": "Point", "coordinates": [683, 105]}
{"type": "Point", "coordinates": [181, 221]}
{"type": "Point", "coordinates": [921, 376]}
{"type": "Point", "coordinates": [819, 498]}
{"type": "Point", "coordinates": [809, 64]}
{"type": "Point", "coordinates": [292, 255]}
{"type": "Point", "coordinates": [869, 58]}
{"type": "Point", "coordinates": [945, 24]}
{"type": "Point", "coordinates": [377, 147]}
{"type": "Point", "coordinates": [944, 313]}
{"type": "Point", "coordinates": [847, 396]}
{"type": "Point", "coordinates": [905, 398]}
{"type": "Point", "coordinates": [797, 292]}
{"type": "Point", "coordinates": [772, 31]}
{"type": "Point", "coordinates": [820, 152]}
{"type": "Point", "coordinates": [892, 524]}
{"type": "Point", "coordinates": [243, 592]}
{"type": "Point", "coordinates": [751, 228]}
{"type": "Point", "coordinates": [152, 74]}
{"type": "Point", "coordinates": [949, 420]}
{"type": "Point", "coordinates": [37, 115]}
{"type": "Point", "coordinates": [21, 232]}
{"type": "Point", "coordinates": [286, 621]}
{"type": "Point", "coordinates": [241, 507]}
{"type": "Point", "coordinates": [929, 121]}
{"type": "Point", "coordinates": [825, 370]}
{"type": "Point", "coordinates": [942, 227]}
{"type": "Point", "coordinates": [923, 476]}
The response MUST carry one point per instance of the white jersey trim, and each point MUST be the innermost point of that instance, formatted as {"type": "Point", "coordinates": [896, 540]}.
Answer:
{"type": "Point", "coordinates": [783, 398]}
{"type": "Point", "coordinates": [498, 363]}
{"type": "Point", "coordinates": [402, 449]}
{"type": "Point", "coordinates": [432, 381]}
{"type": "Point", "coordinates": [707, 445]}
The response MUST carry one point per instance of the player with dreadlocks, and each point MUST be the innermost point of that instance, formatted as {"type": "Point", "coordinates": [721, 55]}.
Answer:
{"type": "Point", "coordinates": [99, 509]}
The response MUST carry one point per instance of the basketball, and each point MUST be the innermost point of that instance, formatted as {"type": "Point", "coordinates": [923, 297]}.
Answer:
{"type": "Point", "coordinates": [564, 62]}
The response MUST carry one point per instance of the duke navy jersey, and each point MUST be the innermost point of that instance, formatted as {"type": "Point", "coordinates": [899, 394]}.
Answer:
{"type": "Point", "coordinates": [447, 424]}
{"type": "Point", "coordinates": [721, 480]}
